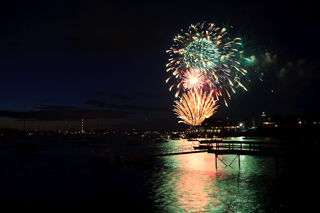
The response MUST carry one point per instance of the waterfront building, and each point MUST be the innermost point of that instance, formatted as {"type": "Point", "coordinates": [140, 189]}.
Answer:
{"type": "Point", "coordinates": [217, 126]}
{"type": "Point", "coordinates": [268, 121]}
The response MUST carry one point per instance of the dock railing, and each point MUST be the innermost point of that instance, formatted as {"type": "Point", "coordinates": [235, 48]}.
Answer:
{"type": "Point", "coordinates": [247, 148]}
{"type": "Point", "coordinates": [176, 150]}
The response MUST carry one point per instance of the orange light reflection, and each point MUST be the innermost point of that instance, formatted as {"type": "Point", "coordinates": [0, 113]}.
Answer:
{"type": "Point", "coordinates": [196, 187]}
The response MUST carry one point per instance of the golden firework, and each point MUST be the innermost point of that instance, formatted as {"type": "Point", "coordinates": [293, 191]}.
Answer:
{"type": "Point", "coordinates": [195, 106]}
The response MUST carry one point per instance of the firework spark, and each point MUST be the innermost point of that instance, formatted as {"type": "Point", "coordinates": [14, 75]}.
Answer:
{"type": "Point", "coordinates": [193, 79]}
{"type": "Point", "coordinates": [207, 49]}
{"type": "Point", "coordinates": [194, 107]}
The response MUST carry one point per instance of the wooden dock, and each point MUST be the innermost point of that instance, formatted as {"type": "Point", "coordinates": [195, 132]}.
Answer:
{"type": "Point", "coordinates": [218, 147]}
{"type": "Point", "coordinates": [178, 150]}
{"type": "Point", "coordinates": [273, 149]}
{"type": "Point", "coordinates": [229, 147]}
{"type": "Point", "coordinates": [249, 148]}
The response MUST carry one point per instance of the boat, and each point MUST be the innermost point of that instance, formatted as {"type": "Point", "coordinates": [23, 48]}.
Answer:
{"type": "Point", "coordinates": [213, 140]}
{"type": "Point", "coordinates": [175, 138]}
{"type": "Point", "coordinates": [246, 137]}
{"type": "Point", "coordinates": [201, 146]}
{"type": "Point", "coordinates": [161, 140]}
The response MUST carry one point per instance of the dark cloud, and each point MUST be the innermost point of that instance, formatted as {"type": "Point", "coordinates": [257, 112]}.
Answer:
{"type": "Point", "coordinates": [154, 95]}
{"type": "Point", "coordinates": [260, 65]}
{"type": "Point", "coordinates": [138, 108]}
{"type": "Point", "coordinates": [55, 107]}
{"type": "Point", "coordinates": [298, 73]}
{"type": "Point", "coordinates": [62, 113]}
{"type": "Point", "coordinates": [283, 69]}
{"type": "Point", "coordinates": [113, 95]}
{"type": "Point", "coordinates": [95, 103]}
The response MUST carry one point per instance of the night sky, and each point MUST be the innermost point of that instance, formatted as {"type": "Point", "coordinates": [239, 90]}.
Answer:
{"type": "Point", "coordinates": [104, 61]}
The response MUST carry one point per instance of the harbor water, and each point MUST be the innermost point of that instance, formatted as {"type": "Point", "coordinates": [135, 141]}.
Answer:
{"type": "Point", "coordinates": [64, 176]}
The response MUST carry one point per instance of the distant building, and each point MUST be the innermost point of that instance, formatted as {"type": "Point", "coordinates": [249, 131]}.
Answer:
{"type": "Point", "coordinates": [310, 119]}
{"type": "Point", "coordinates": [267, 121]}
{"type": "Point", "coordinates": [213, 126]}
{"type": "Point", "coordinates": [233, 126]}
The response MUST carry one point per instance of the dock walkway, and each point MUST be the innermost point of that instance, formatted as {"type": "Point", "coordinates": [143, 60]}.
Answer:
{"type": "Point", "coordinates": [218, 147]}
{"type": "Point", "coordinates": [249, 148]}
{"type": "Point", "coordinates": [177, 150]}
{"type": "Point", "coordinates": [273, 149]}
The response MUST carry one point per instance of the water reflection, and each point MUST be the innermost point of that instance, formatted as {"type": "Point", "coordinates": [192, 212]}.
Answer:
{"type": "Point", "coordinates": [190, 183]}
{"type": "Point", "coordinates": [64, 175]}
{"type": "Point", "coordinates": [195, 184]}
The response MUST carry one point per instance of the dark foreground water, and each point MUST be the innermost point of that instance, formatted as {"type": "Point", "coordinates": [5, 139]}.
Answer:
{"type": "Point", "coordinates": [65, 177]}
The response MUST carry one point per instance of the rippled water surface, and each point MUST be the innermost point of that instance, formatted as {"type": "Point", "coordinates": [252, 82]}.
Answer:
{"type": "Point", "coordinates": [65, 176]}
{"type": "Point", "coordinates": [190, 183]}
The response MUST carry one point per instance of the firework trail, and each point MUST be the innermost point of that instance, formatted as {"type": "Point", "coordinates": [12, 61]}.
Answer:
{"type": "Point", "coordinates": [204, 57]}
{"type": "Point", "coordinates": [195, 106]}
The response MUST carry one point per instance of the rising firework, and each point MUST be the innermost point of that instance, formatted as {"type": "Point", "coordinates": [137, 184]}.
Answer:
{"type": "Point", "coordinates": [208, 50]}
{"type": "Point", "coordinates": [195, 106]}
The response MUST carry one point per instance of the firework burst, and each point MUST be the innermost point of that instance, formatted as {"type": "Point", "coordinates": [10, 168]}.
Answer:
{"type": "Point", "coordinates": [206, 51]}
{"type": "Point", "coordinates": [195, 106]}
{"type": "Point", "coordinates": [193, 79]}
